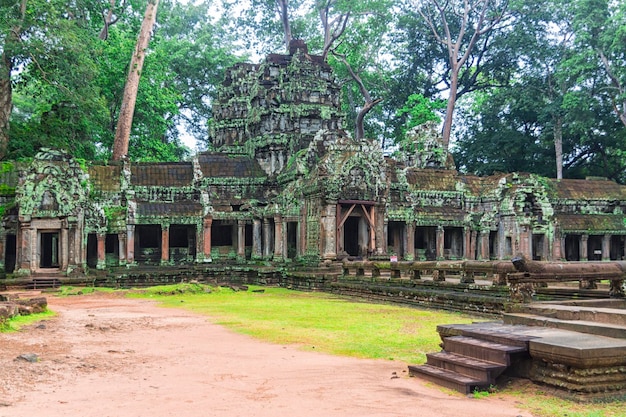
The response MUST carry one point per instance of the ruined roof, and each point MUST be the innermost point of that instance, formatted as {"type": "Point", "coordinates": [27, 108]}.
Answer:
{"type": "Point", "coordinates": [177, 209]}
{"type": "Point", "coordinates": [221, 165]}
{"type": "Point", "coordinates": [166, 174]}
{"type": "Point", "coordinates": [589, 189]}
{"type": "Point", "coordinates": [105, 177]}
{"type": "Point", "coordinates": [432, 179]}
{"type": "Point", "coordinates": [439, 215]}
{"type": "Point", "coordinates": [596, 223]}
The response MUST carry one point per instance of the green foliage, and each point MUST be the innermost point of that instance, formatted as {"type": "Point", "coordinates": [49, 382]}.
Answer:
{"type": "Point", "coordinates": [16, 323]}
{"type": "Point", "coordinates": [419, 110]}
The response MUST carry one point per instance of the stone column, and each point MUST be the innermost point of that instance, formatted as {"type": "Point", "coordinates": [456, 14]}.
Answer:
{"type": "Point", "coordinates": [484, 245]}
{"type": "Point", "coordinates": [24, 246]}
{"type": "Point", "coordinates": [3, 243]}
{"type": "Point", "coordinates": [583, 247]}
{"type": "Point", "coordinates": [130, 243]}
{"type": "Point", "coordinates": [206, 238]}
{"type": "Point", "coordinates": [257, 239]}
{"type": "Point", "coordinates": [267, 238]}
{"type": "Point", "coordinates": [278, 238]}
{"type": "Point", "coordinates": [439, 255]}
{"type": "Point", "coordinates": [469, 243]}
{"type": "Point", "coordinates": [121, 240]}
{"type": "Point", "coordinates": [525, 246]}
{"type": "Point", "coordinates": [409, 242]}
{"type": "Point", "coordinates": [101, 251]}
{"type": "Point", "coordinates": [328, 232]}
{"type": "Point", "coordinates": [64, 246]}
{"type": "Point", "coordinates": [606, 247]}
{"type": "Point", "coordinates": [165, 243]}
{"type": "Point", "coordinates": [379, 234]}
{"type": "Point", "coordinates": [241, 239]}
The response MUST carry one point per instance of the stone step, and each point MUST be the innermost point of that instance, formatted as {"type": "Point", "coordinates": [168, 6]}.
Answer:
{"type": "Point", "coordinates": [481, 349]}
{"type": "Point", "coordinates": [448, 379]}
{"type": "Point", "coordinates": [472, 368]}
{"type": "Point", "coordinates": [44, 283]}
{"type": "Point", "coordinates": [583, 326]}
{"type": "Point", "coordinates": [491, 331]}
{"type": "Point", "coordinates": [572, 312]}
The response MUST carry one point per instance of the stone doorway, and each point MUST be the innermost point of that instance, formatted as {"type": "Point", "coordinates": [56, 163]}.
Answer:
{"type": "Point", "coordinates": [49, 249]}
{"type": "Point", "coordinates": [355, 228]}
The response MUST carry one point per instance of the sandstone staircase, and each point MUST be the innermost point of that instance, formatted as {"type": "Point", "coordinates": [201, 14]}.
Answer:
{"type": "Point", "coordinates": [471, 360]}
{"type": "Point", "coordinates": [597, 317]}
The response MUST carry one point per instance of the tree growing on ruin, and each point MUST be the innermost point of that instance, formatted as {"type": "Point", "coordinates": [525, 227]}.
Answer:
{"type": "Point", "coordinates": [464, 28]}
{"type": "Point", "coordinates": [125, 120]}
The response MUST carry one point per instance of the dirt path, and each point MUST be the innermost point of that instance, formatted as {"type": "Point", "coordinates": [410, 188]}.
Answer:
{"type": "Point", "coordinates": [111, 356]}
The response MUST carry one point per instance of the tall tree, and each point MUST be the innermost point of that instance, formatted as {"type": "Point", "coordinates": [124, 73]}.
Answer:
{"type": "Point", "coordinates": [10, 33]}
{"type": "Point", "coordinates": [465, 29]}
{"type": "Point", "coordinates": [122, 132]}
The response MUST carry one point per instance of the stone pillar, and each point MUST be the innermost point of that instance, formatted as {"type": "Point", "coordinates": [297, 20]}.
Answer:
{"type": "Point", "coordinates": [101, 251]}
{"type": "Point", "coordinates": [24, 246]}
{"type": "Point", "coordinates": [379, 230]}
{"type": "Point", "coordinates": [409, 242]}
{"type": "Point", "coordinates": [525, 240]}
{"type": "Point", "coordinates": [484, 245]}
{"type": "Point", "coordinates": [328, 223]}
{"type": "Point", "coordinates": [130, 243]}
{"type": "Point", "coordinates": [257, 239]}
{"type": "Point", "coordinates": [606, 247]}
{"type": "Point", "coordinates": [206, 238]}
{"type": "Point", "coordinates": [278, 238]}
{"type": "Point", "coordinates": [121, 240]}
{"type": "Point", "coordinates": [165, 243]}
{"type": "Point", "coordinates": [3, 243]}
{"type": "Point", "coordinates": [439, 243]}
{"type": "Point", "coordinates": [64, 246]}
{"type": "Point", "coordinates": [469, 243]}
{"type": "Point", "coordinates": [241, 239]}
{"type": "Point", "coordinates": [267, 238]}
{"type": "Point", "coordinates": [583, 247]}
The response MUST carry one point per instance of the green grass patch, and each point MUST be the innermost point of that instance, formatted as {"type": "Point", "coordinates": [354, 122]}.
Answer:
{"type": "Point", "coordinates": [16, 323]}
{"type": "Point", "coordinates": [67, 290]}
{"type": "Point", "coordinates": [316, 321]}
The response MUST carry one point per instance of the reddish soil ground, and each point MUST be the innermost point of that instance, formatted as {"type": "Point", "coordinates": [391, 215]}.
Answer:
{"type": "Point", "coordinates": [105, 355]}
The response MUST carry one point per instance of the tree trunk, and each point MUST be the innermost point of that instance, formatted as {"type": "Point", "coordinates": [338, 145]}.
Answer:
{"type": "Point", "coordinates": [6, 102]}
{"type": "Point", "coordinates": [6, 90]}
{"type": "Point", "coordinates": [283, 11]}
{"type": "Point", "coordinates": [125, 120]}
{"type": "Point", "coordinates": [447, 121]}
{"type": "Point", "coordinates": [558, 146]}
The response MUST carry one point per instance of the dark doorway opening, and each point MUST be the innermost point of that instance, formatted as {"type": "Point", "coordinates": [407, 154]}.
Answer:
{"type": "Point", "coordinates": [10, 253]}
{"type": "Point", "coordinates": [112, 249]}
{"type": "Point", "coordinates": [49, 244]}
{"type": "Point", "coordinates": [182, 242]}
{"type": "Point", "coordinates": [148, 243]}
{"type": "Point", "coordinates": [493, 245]}
{"type": "Point", "coordinates": [539, 249]}
{"type": "Point", "coordinates": [351, 236]}
{"type": "Point", "coordinates": [92, 250]}
{"type": "Point", "coordinates": [292, 240]}
{"type": "Point", "coordinates": [594, 248]}
{"type": "Point", "coordinates": [572, 247]}
{"type": "Point", "coordinates": [425, 243]}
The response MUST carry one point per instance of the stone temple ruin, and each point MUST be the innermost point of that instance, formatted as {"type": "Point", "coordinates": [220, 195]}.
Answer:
{"type": "Point", "coordinates": [284, 182]}
{"type": "Point", "coordinates": [284, 192]}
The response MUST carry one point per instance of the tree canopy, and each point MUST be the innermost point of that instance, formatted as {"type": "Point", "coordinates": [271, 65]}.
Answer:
{"type": "Point", "coordinates": [536, 86]}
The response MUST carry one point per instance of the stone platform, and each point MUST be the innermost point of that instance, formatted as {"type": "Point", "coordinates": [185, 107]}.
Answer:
{"type": "Point", "coordinates": [578, 348]}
